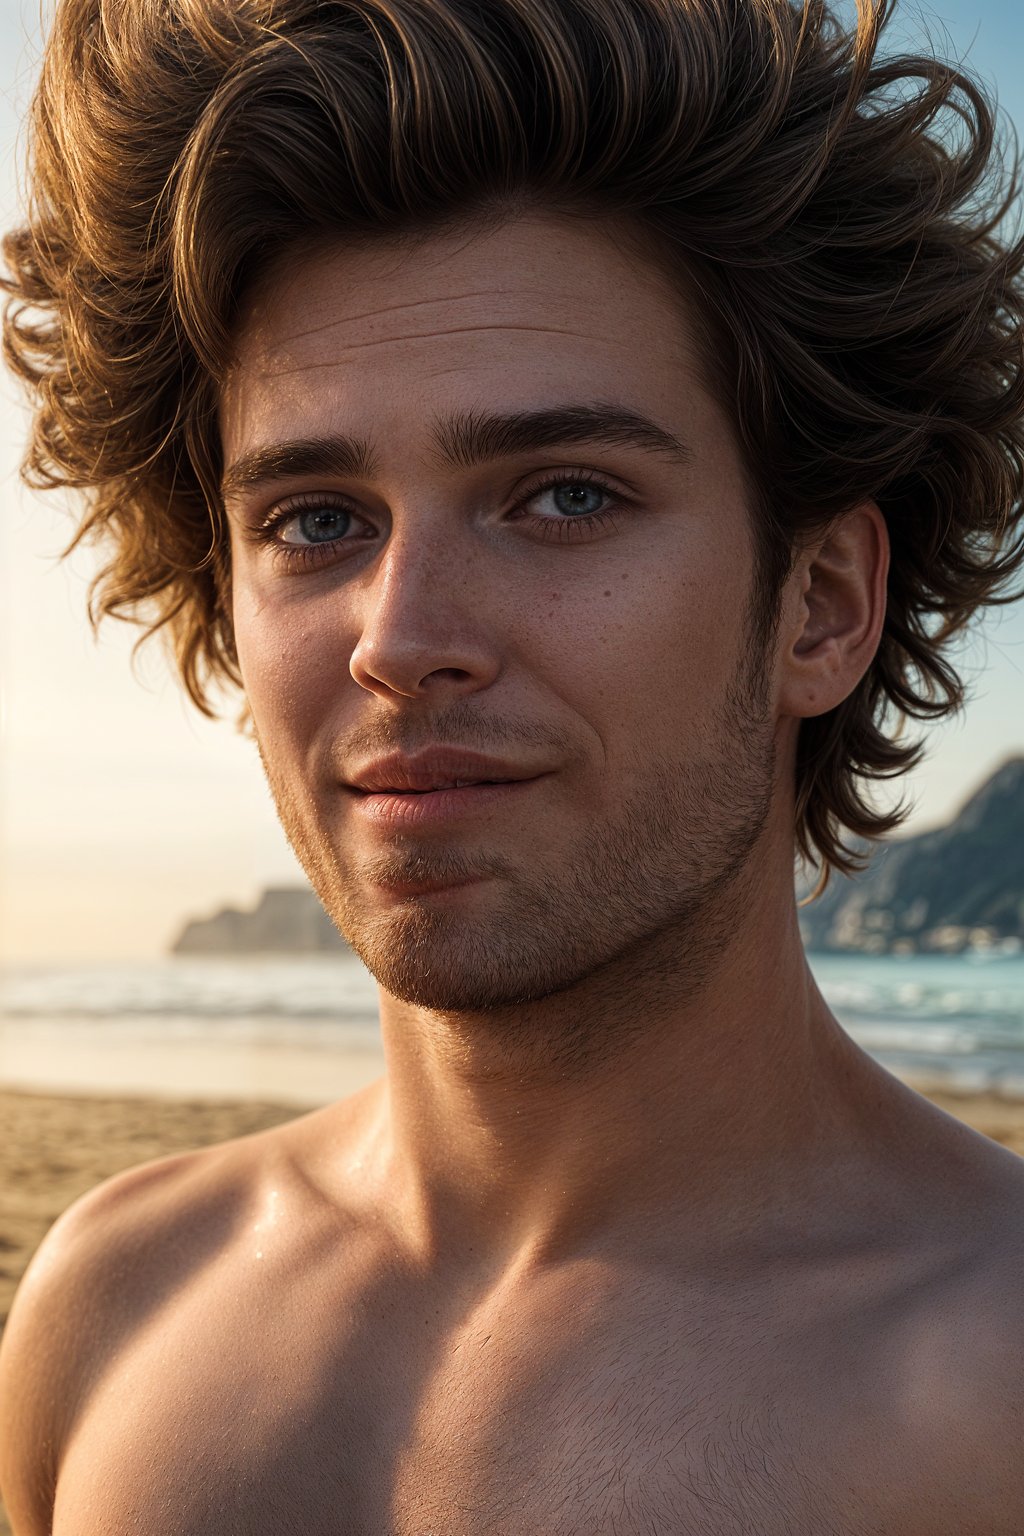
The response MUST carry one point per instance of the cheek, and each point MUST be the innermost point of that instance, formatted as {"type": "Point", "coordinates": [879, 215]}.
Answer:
{"type": "Point", "coordinates": [289, 664]}
{"type": "Point", "coordinates": [658, 644]}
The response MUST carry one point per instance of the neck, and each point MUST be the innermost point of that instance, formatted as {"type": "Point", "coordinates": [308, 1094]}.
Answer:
{"type": "Point", "coordinates": [647, 1094]}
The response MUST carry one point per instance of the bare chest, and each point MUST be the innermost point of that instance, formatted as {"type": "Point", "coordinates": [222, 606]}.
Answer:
{"type": "Point", "coordinates": [371, 1427]}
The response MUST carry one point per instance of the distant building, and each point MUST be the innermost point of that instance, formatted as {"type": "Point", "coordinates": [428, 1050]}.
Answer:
{"type": "Point", "coordinates": [287, 920]}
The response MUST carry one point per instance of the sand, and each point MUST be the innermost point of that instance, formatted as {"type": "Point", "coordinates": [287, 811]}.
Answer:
{"type": "Point", "coordinates": [52, 1149]}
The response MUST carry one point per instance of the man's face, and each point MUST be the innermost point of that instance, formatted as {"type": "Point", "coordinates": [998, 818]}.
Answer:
{"type": "Point", "coordinates": [487, 524]}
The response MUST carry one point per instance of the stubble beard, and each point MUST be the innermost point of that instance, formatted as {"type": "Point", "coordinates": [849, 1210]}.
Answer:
{"type": "Point", "coordinates": [640, 905]}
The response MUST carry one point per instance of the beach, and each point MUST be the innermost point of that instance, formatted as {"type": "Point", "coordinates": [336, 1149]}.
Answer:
{"type": "Point", "coordinates": [55, 1147]}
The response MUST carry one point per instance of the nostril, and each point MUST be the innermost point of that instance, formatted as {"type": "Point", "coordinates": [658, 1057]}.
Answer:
{"type": "Point", "coordinates": [448, 674]}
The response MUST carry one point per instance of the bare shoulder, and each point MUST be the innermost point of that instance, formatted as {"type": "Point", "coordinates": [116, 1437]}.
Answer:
{"type": "Point", "coordinates": [963, 1197]}
{"type": "Point", "coordinates": [975, 1179]}
{"type": "Point", "coordinates": [964, 1342]}
{"type": "Point", "coordinates": [970, 1370]}
{"type": "Point", "coordinates": [114, 1258]}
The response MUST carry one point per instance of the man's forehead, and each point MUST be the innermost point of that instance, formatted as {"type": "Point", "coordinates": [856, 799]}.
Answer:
{"type": "Point", "coordinates": [559, 279]}
{"type": "Point", "coordinates": [539, 315]}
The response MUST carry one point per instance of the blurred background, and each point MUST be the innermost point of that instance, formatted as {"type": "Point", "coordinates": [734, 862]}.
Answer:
{"type": "Point", "coordinates": [165, 976]}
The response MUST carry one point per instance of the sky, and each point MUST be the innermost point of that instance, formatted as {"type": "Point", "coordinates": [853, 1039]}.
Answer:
{"type": "Point", "coordinates": [122, 811]}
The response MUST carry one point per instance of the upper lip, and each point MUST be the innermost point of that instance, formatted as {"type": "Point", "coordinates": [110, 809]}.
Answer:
{"type": "Point", "coordinates": [435, 768]}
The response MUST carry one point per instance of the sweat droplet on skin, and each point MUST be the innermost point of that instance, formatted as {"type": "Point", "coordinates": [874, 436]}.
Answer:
{"type": "Point", "coordinates": [269, 1219]}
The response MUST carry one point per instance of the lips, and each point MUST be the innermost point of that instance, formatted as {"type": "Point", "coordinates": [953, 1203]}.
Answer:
{"type": "Point", "coordinates": [429, 789]}
{"type": "Point", "coordinates": [437, 769]}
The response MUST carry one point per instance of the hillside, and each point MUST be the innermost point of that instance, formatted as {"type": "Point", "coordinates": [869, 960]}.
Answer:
{"type": "Point", "coordinates": [287, 920]}
{"type": "Point", "coordinates": [958, 887]}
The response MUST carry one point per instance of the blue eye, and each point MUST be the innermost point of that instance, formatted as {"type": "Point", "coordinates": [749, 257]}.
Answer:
{"type": "Point", "coordinates": [570, 506]}
{"type": "Point", "coordinates": [318, 525]}
{"type": "Point", "coordinates": [577, 499]}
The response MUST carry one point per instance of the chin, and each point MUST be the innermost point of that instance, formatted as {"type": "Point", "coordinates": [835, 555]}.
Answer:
{"type": "Point", "coordinates": [450, 963]}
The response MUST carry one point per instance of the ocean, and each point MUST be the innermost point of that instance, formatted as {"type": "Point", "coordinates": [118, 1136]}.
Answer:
{"type": "Point", "coordinates": [304, 1030]}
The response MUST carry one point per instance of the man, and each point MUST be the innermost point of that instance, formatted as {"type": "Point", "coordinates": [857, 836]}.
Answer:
{"type": "Point", "coordinates": [574, 425]}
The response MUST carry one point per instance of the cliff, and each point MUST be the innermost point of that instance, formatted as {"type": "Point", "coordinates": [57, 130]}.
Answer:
{"type": "Point", "coordinates": [958, 887]}
{"type": "Point", "coordinates": [287, 920]}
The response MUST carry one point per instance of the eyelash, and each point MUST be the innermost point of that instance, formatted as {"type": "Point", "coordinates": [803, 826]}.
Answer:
{"type": "Point", "coordinates": [563, 531]}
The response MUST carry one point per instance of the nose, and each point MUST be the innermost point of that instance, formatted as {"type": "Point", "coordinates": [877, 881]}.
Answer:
{"type": "Point", "coordinates": [424, 632]}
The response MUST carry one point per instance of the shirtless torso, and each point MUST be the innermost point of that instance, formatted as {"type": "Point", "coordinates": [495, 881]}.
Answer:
{"type": "Point", "coordinates": [237, 1341]}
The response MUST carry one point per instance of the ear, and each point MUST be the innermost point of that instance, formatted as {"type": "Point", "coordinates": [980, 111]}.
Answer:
{"type": "Point", "coordinates": [833, 613]}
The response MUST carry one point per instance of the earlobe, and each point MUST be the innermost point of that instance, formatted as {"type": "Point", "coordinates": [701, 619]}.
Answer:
{"type": "Point", "coordinates": [839, 601]}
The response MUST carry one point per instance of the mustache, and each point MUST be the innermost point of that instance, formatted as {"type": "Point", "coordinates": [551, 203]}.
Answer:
{"type": "Point", "coordinates": [457, 724]}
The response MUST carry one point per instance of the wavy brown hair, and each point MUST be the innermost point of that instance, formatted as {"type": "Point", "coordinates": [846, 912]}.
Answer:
{"type": "Point", "coordinates": [841, 212]}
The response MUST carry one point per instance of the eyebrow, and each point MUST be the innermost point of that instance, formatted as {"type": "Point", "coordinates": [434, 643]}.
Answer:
{"type": "Point", "coordinates": [465, 438]}
{"type": "Point", "coordinates": [339, 456]}
{"type": "Point", "coordinates": [462, 439]}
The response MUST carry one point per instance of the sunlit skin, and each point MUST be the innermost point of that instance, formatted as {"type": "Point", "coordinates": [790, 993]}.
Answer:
{"type": "Point", "coordinates": [445, 615]}
{"type": "Point", "coordinates": [631, 1238]}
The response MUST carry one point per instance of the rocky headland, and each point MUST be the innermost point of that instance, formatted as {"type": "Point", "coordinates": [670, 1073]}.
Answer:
{"type": "Point", "coordinates": [959, 887]}
{"type": "Point", "coordinates": [286, 920]}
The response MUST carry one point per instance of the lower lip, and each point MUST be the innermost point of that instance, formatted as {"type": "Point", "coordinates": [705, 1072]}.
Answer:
{"type": "Point", "coordinates": [436, 807]}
